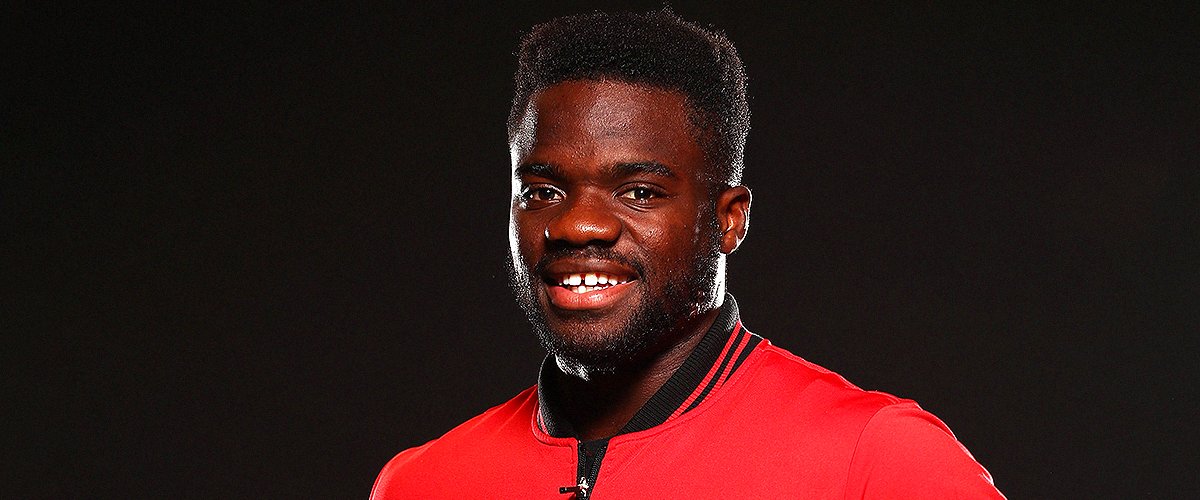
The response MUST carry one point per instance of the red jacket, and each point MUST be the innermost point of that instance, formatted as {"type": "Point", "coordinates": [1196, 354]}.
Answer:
{"type": "Point", "coordinates": [740, 419]}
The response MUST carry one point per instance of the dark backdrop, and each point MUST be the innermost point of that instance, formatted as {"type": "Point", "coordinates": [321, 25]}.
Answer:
{"type": "Point", "coordinates": [255, 252]}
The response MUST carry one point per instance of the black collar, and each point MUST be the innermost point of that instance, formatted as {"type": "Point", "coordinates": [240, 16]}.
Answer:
{"type": "Point", "coordinates": [720, 352]}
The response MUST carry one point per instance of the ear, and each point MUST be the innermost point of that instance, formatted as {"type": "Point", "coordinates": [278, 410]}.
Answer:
{"type": "Point", "coordinates": [733, 213]}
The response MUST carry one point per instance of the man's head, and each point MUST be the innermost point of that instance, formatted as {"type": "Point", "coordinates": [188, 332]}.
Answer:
{"type": "Point", "coordinates": [625, 172]}
{"type": "Point", "coordinates": [656, 49]}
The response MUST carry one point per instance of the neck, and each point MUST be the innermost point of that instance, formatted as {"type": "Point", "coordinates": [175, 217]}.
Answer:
{"type": "Point", "coordinates": [598, 403]}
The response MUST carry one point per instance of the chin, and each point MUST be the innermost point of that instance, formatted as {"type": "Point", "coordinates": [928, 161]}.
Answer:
{"type": "Point", "coordinates": [596, 340]}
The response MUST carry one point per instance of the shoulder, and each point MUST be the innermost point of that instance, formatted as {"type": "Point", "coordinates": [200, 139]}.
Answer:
{"type": "Point", "coordinates": [906, 452]}
{"type": "Point", "coordinates": [796, 381]}
{"type": "Point", "coordinates": [796, 400]}
{"type": "Point", "coordinates": [507, 422]}
{"type": "Point", "coordinates": [893, 447]}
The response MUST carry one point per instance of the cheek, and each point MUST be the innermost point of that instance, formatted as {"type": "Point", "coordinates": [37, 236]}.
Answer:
{"type": "Point", "coordinates": [672, 242]}
{"type": "Point", "coordinates": [513, 230]}
{"type": "Point", "coordinates": [525, 236]}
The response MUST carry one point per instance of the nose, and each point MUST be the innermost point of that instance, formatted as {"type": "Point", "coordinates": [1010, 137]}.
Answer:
{"type": "Point", "coordinates": [584, 221]}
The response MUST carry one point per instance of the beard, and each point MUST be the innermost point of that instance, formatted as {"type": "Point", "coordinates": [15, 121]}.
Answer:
{"type": "Point", "coordinates": [661, 304]}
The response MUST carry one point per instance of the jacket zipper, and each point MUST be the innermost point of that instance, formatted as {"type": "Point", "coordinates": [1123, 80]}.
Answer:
{"type": "Point", "coordinates": [591, 453]}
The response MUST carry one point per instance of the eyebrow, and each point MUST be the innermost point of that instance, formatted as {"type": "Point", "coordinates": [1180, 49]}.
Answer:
{"type": "Point", "coordinates": [624, 169]}
{"type": "Point", "coordinates": [641, 167]}
{"type": "Point", "coordinates": [546, 170]}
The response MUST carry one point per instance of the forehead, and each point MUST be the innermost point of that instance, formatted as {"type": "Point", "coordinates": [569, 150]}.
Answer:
{"type": "Point", "coordinates": [604, 122]}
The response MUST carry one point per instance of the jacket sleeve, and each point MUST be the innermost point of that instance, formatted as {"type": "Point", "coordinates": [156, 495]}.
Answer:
{"type": "Point", "coordinates": [905, 452]}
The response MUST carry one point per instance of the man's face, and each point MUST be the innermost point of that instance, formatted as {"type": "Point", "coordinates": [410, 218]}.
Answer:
{"type": "Point", "coordinates": [613, 233]}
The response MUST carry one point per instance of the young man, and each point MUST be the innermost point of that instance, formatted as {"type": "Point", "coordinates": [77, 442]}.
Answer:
{"type": "Point", "coordinates": [626, 136]}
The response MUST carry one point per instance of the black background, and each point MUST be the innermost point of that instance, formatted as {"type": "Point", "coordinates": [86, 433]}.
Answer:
{"type": "Point", "coordinates": [255, 252]}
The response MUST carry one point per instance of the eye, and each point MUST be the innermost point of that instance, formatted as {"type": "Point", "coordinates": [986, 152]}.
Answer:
{"type": "Point", "coordinates": [640, 193]}
{"type": "Point", "coordinates": [541, 194]}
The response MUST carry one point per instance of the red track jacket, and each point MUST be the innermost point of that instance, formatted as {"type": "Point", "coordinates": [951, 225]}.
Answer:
{"type": "Point", "coordinates": [740, 419]}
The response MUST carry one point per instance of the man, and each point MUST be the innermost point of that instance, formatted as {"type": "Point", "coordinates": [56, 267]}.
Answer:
{"type": "Point", "coordinates": [626, 137]}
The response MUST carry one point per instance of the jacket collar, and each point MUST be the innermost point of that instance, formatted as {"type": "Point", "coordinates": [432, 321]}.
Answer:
{"type": "Point", "coordinates": [719, 353]}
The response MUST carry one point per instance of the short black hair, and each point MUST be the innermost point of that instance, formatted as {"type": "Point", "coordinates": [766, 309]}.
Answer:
{"type": "Point", "coordinates": [656, 49]}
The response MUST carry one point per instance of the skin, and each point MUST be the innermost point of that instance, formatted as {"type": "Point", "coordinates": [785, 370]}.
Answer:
{"type": "Point", "coordinates": [609, 176]}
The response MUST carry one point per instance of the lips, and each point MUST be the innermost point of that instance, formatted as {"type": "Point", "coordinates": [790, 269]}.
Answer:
{"type": "Point", "coordinates": [587, 284]}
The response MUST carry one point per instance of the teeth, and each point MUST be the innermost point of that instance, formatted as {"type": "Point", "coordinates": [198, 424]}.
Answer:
{"type": "Point", "coordinates": [586, 282]}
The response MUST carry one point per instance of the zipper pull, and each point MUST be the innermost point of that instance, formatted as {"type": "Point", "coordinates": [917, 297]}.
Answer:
{"type": "Point", "coordinates": [580, 490]}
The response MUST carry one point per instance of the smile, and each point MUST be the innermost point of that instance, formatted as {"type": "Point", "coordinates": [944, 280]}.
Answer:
{"type": "Point", "coordinates": [588, 285]}
{"type": "Point", "coordinates": [589, 282]}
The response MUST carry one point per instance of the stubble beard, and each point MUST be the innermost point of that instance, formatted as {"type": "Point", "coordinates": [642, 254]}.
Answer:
{"type": "Point", "coordinates": [605, 348]}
